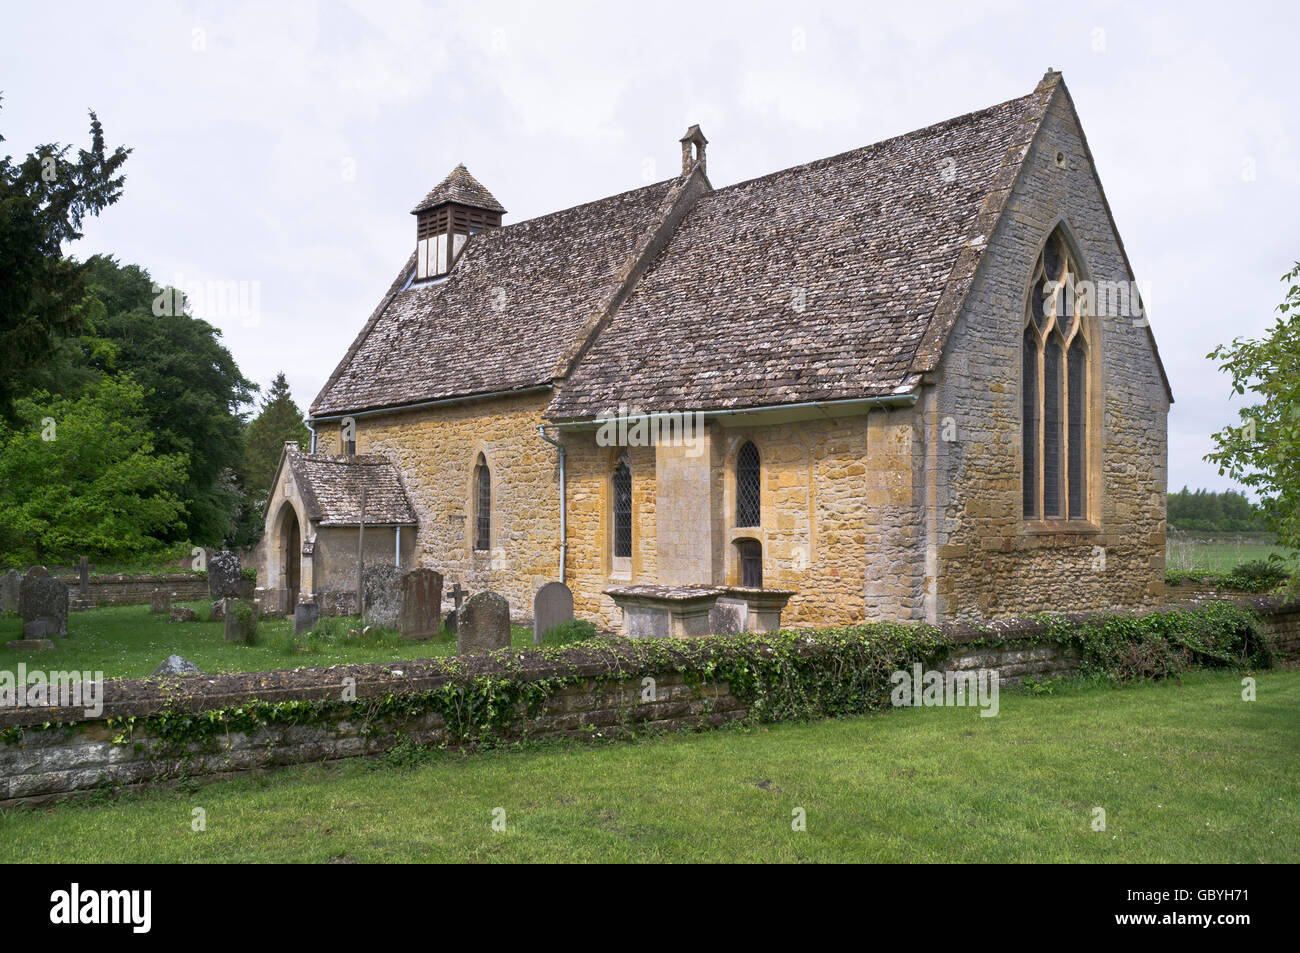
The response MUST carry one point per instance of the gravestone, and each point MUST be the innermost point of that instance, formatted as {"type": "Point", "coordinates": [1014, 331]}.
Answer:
{"type": "Point", "coordinates": [175, 665]}
{"type": "Point", "coordinates": [43, 605]}
{"type": "Point", "coordinates": [9, 590]}
{"type": "Point", "coordinates": [218, 612]}
{"type": "Point", "coordinates": [421, 604]}
{"type": "Point", "coordinates": [223, 575]}
{"type": "Point", "coordinates": [160, 601]}
{"type": "Point", "coordinates": [383, 589]}
{"type": "Point", "coordinates": [483, 624]}
{"type": "Point", "coordinates": [552, 606]}
{"type": "Point", "coordinates": [458, 596]}
{"type": "Point", "coordinates": [83, 601]}
{"type": "Point", "coordinates": [241, 621]}
{"type": "Point", "coordinates": [182, 614]}
{"type": "Point", "coordinates": [305, 615]}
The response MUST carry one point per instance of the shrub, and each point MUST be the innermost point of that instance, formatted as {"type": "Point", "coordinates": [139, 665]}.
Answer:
{"type": "Point", "coordinates": [1257, 575]}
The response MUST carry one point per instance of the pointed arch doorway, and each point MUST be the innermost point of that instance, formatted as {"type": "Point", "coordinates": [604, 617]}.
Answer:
{"type": "Point", "coordinates": [291, 558]}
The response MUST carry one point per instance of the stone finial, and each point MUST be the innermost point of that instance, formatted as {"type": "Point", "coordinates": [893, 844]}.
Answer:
{"type": "Point", "coordinates": [693, 144]}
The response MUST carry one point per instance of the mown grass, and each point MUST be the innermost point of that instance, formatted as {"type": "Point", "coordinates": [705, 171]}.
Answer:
{"type": "Point", "coordinates": [1185, 769]}
{"type": "Point", "coordinates": [130, 642]}
{"type": "Point", "coordinates": [1222, 552]}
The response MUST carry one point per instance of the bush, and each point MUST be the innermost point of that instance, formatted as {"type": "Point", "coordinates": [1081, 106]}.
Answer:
{"type": "Point", "coordinates": [1257, 575]}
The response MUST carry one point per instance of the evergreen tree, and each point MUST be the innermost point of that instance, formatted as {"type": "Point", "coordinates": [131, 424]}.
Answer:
{"type": "Point", "coordinates": [278, 419]}
{"type": "Point", "coordinates": [43, 200]}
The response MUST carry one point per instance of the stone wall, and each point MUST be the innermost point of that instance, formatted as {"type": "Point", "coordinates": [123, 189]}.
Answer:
{"type": "Point", "coordinates": [436, 449]}
{"type": "Point", "coordinates": [601, 696]}
{"type": "Point", "coordinates": [987, 561]}
{"type": "Point", "coordinates": [839, 517]}
{"type": "Point", "coordinates": [130, 590]}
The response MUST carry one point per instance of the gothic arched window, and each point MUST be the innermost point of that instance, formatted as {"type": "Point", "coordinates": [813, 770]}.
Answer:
{"type": "Point", "coordinates": [482, 505]}
{"type": "Point", "coordinates": [622, 509]}
{"type": "Point", "coordinates": [1054, 389]}
{"type": "Point", "coordinates": [747, 486]}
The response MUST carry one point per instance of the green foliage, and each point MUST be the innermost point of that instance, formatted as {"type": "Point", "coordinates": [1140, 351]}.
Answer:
{"type": "Point", "coordinates": [193, 389]}
{"type": "Point", "coordinates": [1209, 512]}
{"type": "Point", "coordinates": [1133, 648]}
{"type": "Point", "coordinates": [81, 476]}
{"type": "Point", "coordinates": [566, 633]}
{"type": "Point", "coordinates": [1264, 452]}
{"type": "Point", "coordinates": [279, 419]}
{"type": "Point", "coordinates": [43, 200]}
{"type": "Point", "coordinates": [1256, 575]}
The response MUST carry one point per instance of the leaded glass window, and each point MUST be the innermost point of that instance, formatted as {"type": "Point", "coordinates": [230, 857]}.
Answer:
{"type": "Point", "coordinates": [482, 505]}
{"type": "Point", "coordinates": [1054, 389]}
{"type": "Point", "coordinates": [747, 486]}
{"type": "Point", "coordinates": [622, 509]}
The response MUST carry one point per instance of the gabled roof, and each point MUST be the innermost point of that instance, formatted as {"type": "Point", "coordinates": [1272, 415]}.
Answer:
{"type": "Point", "coordinates": [815, 283]}
{"type": "Point", "coordinates": [503, 319]}
{"type": "Point", "coordinates": [330, 488]}
{"type": "Point", "coordinates": [461, 187]}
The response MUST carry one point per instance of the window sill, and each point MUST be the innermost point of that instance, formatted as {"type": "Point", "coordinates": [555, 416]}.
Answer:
{"type": "Point", "coordinates": [1059, 528]}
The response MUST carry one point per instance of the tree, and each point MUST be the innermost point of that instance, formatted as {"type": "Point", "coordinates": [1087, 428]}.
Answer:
{"type": "Point", "coordinates": [279, 419]}
{"type": "Point", "coordinates": [80, 475]}
{"type": "Point", "coordinates": [1264, 452]}
{"type": "Point", "coordinates": [43, 201]}
{"type": "Point", "coordinates": [193, 390]}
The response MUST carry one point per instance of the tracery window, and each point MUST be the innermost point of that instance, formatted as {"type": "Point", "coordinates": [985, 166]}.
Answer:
{"type": "Point", "coordinates": [1057, 349]}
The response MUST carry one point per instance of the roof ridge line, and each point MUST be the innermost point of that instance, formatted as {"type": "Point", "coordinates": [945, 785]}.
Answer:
{"type": "Point", "coordinates": [933, 127]}
{"type": "Point", "coordinates": [930, 346]}
{"type": "Point", "coordinates": [677, 201]}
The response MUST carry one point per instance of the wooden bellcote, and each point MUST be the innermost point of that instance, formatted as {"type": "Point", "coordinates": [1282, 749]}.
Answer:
{"type": "Point", "coordinates": [457, 208]}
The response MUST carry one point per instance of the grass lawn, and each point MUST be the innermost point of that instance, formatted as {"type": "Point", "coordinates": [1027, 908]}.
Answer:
{"type": "Point", "coordinates": [1220, 552]}
{"type": "Point", "coordinates": [1185, 770]}
{"type": "Point", "coordinates": [130, 642]}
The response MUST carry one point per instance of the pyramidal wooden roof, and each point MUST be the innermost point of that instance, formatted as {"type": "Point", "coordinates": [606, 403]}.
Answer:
{"type": "Point", "coordinates": [460, 187]}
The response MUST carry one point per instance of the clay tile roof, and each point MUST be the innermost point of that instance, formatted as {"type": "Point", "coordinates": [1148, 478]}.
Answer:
{"type": "Point", "coordinates": [815, 283]}
{"type": "Point", "coordinates": [460, 187]}
{"type": "Point", "coordinates": [512, 306]}
{"type": "Point", "coordinates": [330, 487]}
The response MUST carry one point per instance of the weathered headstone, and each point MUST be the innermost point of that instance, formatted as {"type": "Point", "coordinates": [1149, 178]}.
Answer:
{"type": "Point", "coordinates": [9, 590]}
{"type": "Point", "coordinates": [218, 611]}
{"type": "Point", "coordinates": [43, 604]}
{"type": "Point", "coordinates": [383, 589]}
{"type": "Point", "coordinates": [421, 608]}
{"type": "Point", "coordinates": [175, 665]}
{"type": "Point", "coordinates": [160, 601]}
{"type": "Point", "coordinates": [241, 621]}
{"type": "Point", "coordinates": [483, 624]}
{"type": "Point", "coordinates": [223, 575]}
{"type": "Point", "coordinates": [182, 614]}
{"type": "Point", "coordinates": [552, 606]}
{"type": "Point", "coordinates": [305, 615]}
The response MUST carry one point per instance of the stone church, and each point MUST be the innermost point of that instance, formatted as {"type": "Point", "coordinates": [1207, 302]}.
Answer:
{"type": "Point", "coordinates": [911, 381]}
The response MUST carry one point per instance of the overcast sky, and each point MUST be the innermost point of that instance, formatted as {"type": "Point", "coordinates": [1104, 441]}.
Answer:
{"type": "Point", "coordinates": [286, 143]}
